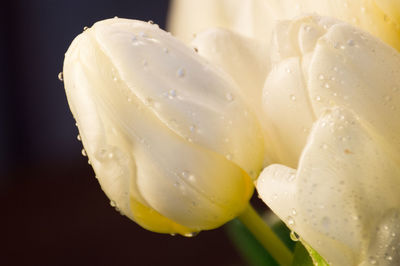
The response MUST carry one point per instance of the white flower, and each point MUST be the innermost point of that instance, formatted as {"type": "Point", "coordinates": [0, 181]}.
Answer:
{"type": "Point", "coordinates": [257, 18]}
{"type": "Point", "coordinates": [171, 141]}
{"type": "Point", "coordinates": [332, 107]}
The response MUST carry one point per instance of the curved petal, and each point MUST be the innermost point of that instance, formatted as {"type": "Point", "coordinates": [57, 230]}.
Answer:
{"type": "Point", "coordinates": [172, 142]}
{"type": "Point", "coordinates": [288, 114]}
{"type": "Point", "coordinates": [242, 58]}
{"type": "Point", "coordinates": [361, 73]}
{"type": "Point", "coordinates": [256, 18]}
{"type": "Point", "coordinates": [344, 193]}
{"type": "Point", "coordinates": [250, 18]}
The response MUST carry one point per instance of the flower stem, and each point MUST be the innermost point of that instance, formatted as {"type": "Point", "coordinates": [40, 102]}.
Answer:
{"type": "Point", "coordinates": [263, 233]}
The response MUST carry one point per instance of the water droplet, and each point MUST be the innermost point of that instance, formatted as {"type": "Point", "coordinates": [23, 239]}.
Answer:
{"type": "Point", "coordinates": [83, 152]}
{"type": "Point", "coordinates": [326, 85]}
{"type": "Point", "coordinates": [292, 97]}
{"type": "Point", "coordinates": [294, 212]}
{"type": "Point", "coordinates": [150, 22]}
{"type": "Point", "coordinates": [148, 101]}
{"type": "Point", "coordinates": [85, 28]}
{"type": "Point", "coordinates": [288, 70]}
{"type": "Point", "coordinates": [389, 258]}
{"type": "Point", "coordinates": [229, 156]}
{"type": "Point", "coordinates": [326, 222]}
{"type": "Point", "coordinates": [229, 97]}
{"type": "Point", "coordinates": [317, 98]}
{"type": "Point", "coordinates": [191, 234]}
{"type": "Point", "coordinates": [351, 42]}
{"type": "Point", "coordinates": [293, 236]}
{"type": "Point", "coordinates": [172, 94]}
{"type": "Point", "coordinates": [321, 77]}
{"type": "Point", "coordinates": [393, 234]}
{"type": "Point", "coordinates": [385, 18]}
{"type": "Point", "coordinates": [110, 155]}
{"type": "Point", "coordinates": [79, 137]}
{"type": "Point", "coordinates": [180, 73]}
{"type": "Point", "coordinates": [112, 203]}
{"type": "Point", "coordinates": [129, 99]}
{"type": "Point", "coordinates": [291, 177]}
{"type": "Point", "coordinates": [61, 76]}
{"type": "Point", "coordinates": [290, 221]}
{"type": "Point", "coordinates": [172, 234]}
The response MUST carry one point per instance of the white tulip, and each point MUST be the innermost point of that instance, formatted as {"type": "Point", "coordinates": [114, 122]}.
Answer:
{"type": "Point", "coordinates": [332, 105]}
{"type": "Point", "coordinates": [256, 18]}
{"type": "Point", "coordinates": [171, 141]}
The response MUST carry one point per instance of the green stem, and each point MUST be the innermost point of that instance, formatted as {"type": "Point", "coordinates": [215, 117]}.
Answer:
{"type": "Point", "coordinates": [263, 233]}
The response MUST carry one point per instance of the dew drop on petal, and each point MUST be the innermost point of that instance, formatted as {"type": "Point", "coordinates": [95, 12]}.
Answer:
{"type": "Point", "coordinates": [83, 152]}
{"type": "Point", "coordinates": [180, 73]}
{"type": "Point", "coordinates": [291, 177]}
{"type": "Point", "coordinates": [61, 76]}
{"type": "Point", "coordinates": [172, 94]}
{"type": "Point", "coordinates": [229, 97]}
{"type": "Point", "coordinates": [351, 42]}
{"type": "Point", "coordinates": [79, 137]}
{"type": "Point", "coordinates": [290, 221]}
{"type": "Point", "coordinates": [294, 236]}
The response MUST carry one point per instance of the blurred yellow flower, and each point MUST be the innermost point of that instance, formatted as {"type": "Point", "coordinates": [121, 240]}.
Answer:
{"type": "Point", "coordinates": [256, 18]}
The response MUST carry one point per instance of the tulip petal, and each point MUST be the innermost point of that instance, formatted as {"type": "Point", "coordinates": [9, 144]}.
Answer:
{"type": "Point", "coordinates": [240, 57]}
{"type": "Point", "coordinates": [361, 73]}
{"type": "Point", "coordinates": [288, 114]}
{"type": "Point", "coordinates": [391, 8]}
{"type": "Point", "coordinates": [250, 18]}
{"type": "Point", "coordinates": [256, 18]}
{"type": "Point", "coordinates": [339, 199]}
{"type": "Point", "coordinates": [158, 153]}
{"type": "Point", "coordinates": [179, 95]}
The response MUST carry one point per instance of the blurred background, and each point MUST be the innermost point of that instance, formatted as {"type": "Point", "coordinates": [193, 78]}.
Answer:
{"type": "Point", "coordinates": [53, 210]}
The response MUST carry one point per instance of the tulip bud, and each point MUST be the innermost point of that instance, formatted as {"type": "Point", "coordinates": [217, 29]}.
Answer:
{"type": "Point", "coordinates": [171, 141]}
{"type": "Point", "coordinates": [342, 86]}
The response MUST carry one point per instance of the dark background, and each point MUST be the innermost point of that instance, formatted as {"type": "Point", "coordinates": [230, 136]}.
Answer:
{"type": "Point", "coordinates": [53, 211]}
